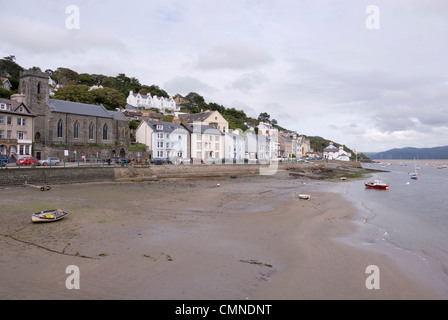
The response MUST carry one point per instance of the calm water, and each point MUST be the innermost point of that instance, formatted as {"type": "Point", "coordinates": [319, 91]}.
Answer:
{"type": "Point", "coordinates": [408, 222]}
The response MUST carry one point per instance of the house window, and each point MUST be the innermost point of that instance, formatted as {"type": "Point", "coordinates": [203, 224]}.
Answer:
{"type": "Point", "coordinates": [160, 154]}
{"type": "Point", "coordinates": [9, 120]}
{"type": "Point", "coordinates": [160, 144]}
{"type": "Point", "coordinates": [76, 130]}
{"type": "Point", "coordinates": [21, 135]}
{"type": "Point", "coordinates": [60, 128]}
{"type": "Point", "coordinates": [216, 138]}
{"type": "Point", "coordinates": [105, 132]}
{"type": "Point", "coordinates": [160, 135]}
{"type": "Point", "coordinates": [179, 154]}
{"type": "Point", "coordinates": [91, 131]}
{"type": "Point", "coordinates": [159, 127]}
{"type": "Point", "coordinates": [216, 146]}
{"type": "Point", "coordinates": [21, 121]}
{"type": "Point", "coordinates": [8, 134]}
{"type": "Point", "coordinates": [38, 88]}
{"type": "Point", "coordinates": [1, 134]}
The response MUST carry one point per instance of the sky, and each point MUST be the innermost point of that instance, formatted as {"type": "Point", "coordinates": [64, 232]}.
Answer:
{"type": "Point", "coordinates": [372, 75]}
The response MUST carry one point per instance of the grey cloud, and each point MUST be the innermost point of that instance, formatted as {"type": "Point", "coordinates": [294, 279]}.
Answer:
{"type": "Point", "coordinates": [247, 82]}
{"type": "Point", "coordinates": [28, 36]}
{"type": "Point", "coordinates": [186, 84]}
{"type": "Point", "coordinates": [233, 54]}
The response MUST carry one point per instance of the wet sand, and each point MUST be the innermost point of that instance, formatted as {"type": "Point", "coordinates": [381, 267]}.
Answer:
{"type": "Point", "coordinates": [248, 238]}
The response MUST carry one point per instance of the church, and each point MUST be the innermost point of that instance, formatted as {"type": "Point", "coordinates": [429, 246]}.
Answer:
{"type": "Point", "coordinates": [70, 130]}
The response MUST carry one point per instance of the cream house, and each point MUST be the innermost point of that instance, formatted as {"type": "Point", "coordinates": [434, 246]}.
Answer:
{"type": "Point", "coordinates": [16, 128]}
{"type": "Point", "coordinates": [207, 144]}
{"type": "Point", "coordinates": [207, 118]}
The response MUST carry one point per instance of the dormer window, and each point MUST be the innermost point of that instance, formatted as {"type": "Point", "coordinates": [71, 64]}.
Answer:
{"type": "Point", "coordinates": [159, 127]}
{"type": "Point", "coordinates": [2, 106]}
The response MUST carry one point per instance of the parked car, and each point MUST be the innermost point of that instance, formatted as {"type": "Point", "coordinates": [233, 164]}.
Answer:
{"type": "Point", "coordinates": [26, 161]}
{"type": "Point", "coordinates": [46, 162]}
{"type": "Point", "coordinates": [4, 159]}
{"type": "Point", "coordinates": [159, 161]}
{"type": "Point", "coordinates": [124, 161]}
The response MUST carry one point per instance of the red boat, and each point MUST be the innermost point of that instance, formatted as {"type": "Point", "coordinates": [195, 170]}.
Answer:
{"type": "Point", "coordinates": [377, 184]}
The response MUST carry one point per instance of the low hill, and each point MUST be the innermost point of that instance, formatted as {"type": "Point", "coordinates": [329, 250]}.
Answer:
{"type": "Point", "coordinates": [411, 153]}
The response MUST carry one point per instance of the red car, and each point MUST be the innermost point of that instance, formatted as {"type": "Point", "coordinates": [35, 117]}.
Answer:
{"type": "Point", "coordinates": [27, 161]}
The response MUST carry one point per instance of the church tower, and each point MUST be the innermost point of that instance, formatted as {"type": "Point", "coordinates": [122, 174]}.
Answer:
{"type": "Point", "coordinates": [34, 91]}
{"type": "Point", "coordinates": [34, 84]}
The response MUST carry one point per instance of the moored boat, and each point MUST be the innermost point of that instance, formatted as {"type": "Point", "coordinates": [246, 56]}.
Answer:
{"type": "Point", "coordinates": [304, 196]}
{"type": "Point", "coordinates": [377, 184]}
{"type": "Point", "coordinates": [48, 215]}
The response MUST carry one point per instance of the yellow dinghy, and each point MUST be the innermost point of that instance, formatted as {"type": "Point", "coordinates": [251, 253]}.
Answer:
{"type": "Point", "coordinates": [48, 215]}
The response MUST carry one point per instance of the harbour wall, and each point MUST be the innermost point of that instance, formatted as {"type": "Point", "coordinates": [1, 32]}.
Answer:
{"type": "Point", "coordinates": [59, 175]}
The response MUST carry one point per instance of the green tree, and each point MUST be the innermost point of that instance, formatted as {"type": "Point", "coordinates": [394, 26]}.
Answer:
{"type": "Point", "coordinates": [154, 90]}
{"type": "Point", "coordinates": [75, 93]}
{"type": "Point", "coordinates": [64, 76]}
{"type": "Point", "coordinates": [110, 98]}
{"type": "Point", "coordinates": [9, 66]}
{"type": "Point", "coordinates": [264, 117]}
{"type": "Point", "coordinates": [5, 93]}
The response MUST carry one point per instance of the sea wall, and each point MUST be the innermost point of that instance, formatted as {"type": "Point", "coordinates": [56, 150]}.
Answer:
{"type": "Point", "coordinates": [59, 175]}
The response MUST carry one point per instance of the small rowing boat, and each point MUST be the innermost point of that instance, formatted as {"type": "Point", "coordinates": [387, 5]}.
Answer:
{"type": "Point", "coordinates": [304, 196]}
{"type": "Point", "coordinates": [48, 215]}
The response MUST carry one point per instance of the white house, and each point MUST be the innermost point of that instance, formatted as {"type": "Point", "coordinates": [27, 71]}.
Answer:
{"type": "Point", "coordinates": [147, 101]}
{"type": "Point", "coordinates": [268, 143]}
{"type": "Point", "coordinates": [251, 145]}
{"type": "Point", "coordinates": [333, 153]}
{"type": "Point", "coordinates": [164, 140]}
{"type": "Point", "coordinates": [235, 148]}
{"type": "Point", "coordinates": [5, 84]}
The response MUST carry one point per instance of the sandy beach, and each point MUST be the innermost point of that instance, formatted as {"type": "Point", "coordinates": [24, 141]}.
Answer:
{"type": "Point", "coordinates": [246, 238]}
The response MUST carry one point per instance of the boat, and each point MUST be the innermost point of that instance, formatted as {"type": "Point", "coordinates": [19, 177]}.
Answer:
{"type": "Point", "coordinates": [414, 174]}
{"type": "Point", "coordinates": [377, 184]}
{"type": "Point", "coordinates": [48, 215]}
{"type": "Point", "coordinates": [304, 196]}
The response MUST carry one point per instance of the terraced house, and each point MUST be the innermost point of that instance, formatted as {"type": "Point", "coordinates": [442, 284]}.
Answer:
{"type": "Point", "coordinates": [16, 129]}
{"type": "Point", "coordinates": [164, 140]}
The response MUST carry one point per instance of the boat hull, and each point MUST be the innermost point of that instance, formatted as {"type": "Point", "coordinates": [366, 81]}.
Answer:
{"type": "Point", "coordinates": [376, 186]}
{"type": "Point", "coordinates": [48, 216]}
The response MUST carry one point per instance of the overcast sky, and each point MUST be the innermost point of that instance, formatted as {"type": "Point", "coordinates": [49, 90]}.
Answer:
{"type": "Point", "coordinates": [314, 66]}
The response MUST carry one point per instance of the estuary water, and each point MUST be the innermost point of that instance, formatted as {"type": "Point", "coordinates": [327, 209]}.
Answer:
{"type": "Point", "coordinates": [408, 222]}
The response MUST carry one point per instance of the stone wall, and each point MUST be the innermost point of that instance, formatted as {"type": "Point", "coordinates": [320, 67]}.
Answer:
{"type": "Point", "coordinates": [59, 175]}
{"type": "Point", "coordinates": [49, 176]}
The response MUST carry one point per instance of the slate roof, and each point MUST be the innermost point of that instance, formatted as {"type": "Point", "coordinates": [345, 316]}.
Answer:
{"type": "Point", "coordinates": [167, 126]}
{"type": "Point", "coordinates": [209, 129]}
{"type": "Point", "coordinates": [192, 117]}
{"type": "Point", "coordinates": [79, 108]}
{"type": "Point", "coordinates": [117, 115]}
{"type": "Point", "coordinates": [13, 106]}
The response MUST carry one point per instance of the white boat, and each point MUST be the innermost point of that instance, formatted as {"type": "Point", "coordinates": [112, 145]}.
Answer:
{"type": "Point", "coordinates": [304, 196]}
{"type": "Point", "coordinates": [48, 215]}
